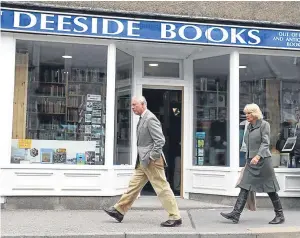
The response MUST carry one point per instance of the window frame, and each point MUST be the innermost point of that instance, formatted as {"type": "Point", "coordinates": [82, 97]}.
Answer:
{"type": "Point", "coordinates": [163, 60]}
{"type": "Point", "coordinates": [70, 40]}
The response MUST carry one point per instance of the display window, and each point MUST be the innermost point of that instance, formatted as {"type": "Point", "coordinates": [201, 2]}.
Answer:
{"type": "Point", "coordinates": [59, 103]}
{"type": "Point", "coordinates": [273, 83]}
{"type": "Point", "coordinates": [211, 122]}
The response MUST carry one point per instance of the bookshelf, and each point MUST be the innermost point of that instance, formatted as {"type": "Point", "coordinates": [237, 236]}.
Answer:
{"type": "Point", "coordinates": [56, 98]}
{"type": "Point", "coordinates": [210, 100]}
{"type": "Point", "coordinates": [210, 97]}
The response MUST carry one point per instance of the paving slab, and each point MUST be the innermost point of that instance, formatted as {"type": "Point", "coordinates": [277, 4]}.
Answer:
{"type": "Point", "coordinates": [197, 223]}
{"type": "Point", "coordinates": [153, 203]}
{"type": "Point", "coordinates": [210, 220]}
{"type": "Point", "coordinates": [55, 223]}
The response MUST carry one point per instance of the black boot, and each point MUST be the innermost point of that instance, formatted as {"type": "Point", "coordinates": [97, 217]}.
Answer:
{"type": "Point", "coordinates": [238, 207]}
{"type": "Point", "coordinates": [279, 217]}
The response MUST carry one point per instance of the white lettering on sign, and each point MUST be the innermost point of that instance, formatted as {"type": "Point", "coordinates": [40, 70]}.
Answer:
{"type": "Point", "coordinates": [293, 39]}
{"type": "Point", "coordinates": [17, 17]}
{"type": "Point", "coordinates": [278, 38]}
{"type": "Point", "coordinates": [168, 31]}
{"type": "Point", "coordinates": [61, 23]}
{"type": "Point", "coordinates": [295, 34]}
{"type": "Point", "coordinates": [209, 36]}
{"type": "Point", "coordinates": [105, 29]}
{"type": "Point", "coordinates": [237, 36]}
{"type": "Point", "coordinates": [29, 21]}
{"type": "Point", "coordinates": [181, 32]}
{"type": "Point", "coordinates": [283, 34]}
{"type": "Point", "coordinates": [254, 37]}
{"type": "Point", "coordinates": [131, 27]}
{"type": "Point", "coordinates": [167, 28]}
{"type": "Point", "coordinates": [45, 19]}
{"type": "Point", "coordinates": [83, 26]}
{"type": "Point", "coordinates": [293, 44]}
{"type": "Point", "coordinates": [94, 25]}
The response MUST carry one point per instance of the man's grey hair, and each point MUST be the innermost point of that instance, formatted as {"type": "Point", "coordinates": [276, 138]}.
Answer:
{"type": "Point", "coordinates": [140, 99]}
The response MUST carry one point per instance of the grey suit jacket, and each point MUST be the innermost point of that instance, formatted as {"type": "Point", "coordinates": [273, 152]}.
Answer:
{"type": "Point", "coordinates": [150, 139]}
{"type": "Point", "coordinates": [257, 139]}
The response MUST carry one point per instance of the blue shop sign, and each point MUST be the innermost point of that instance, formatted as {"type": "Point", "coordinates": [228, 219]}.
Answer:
{"type": "Point", "coordinates": [29, 21]}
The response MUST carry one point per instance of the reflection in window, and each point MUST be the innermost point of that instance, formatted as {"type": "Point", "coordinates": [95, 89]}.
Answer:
{"type": "Point", "coordinates": [161, 69]}
{"type": "Point", "coordinates": [273, 82]}
{"type": "Point", "coordinates": [59, 103]}
{"type": "Point", "coordinates": [210, 114]}
{"type": "Point", "coordinates": [124, 70]}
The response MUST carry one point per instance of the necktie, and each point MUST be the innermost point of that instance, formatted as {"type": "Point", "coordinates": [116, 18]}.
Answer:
{"type": "Point", "coordinates": [139, 122]}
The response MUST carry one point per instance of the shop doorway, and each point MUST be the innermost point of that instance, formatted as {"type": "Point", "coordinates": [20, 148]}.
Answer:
{"type": "Point", "coordinates": [167, 106]}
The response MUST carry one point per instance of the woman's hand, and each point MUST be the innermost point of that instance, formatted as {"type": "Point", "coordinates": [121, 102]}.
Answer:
{"type": "Point", "coordinates": [255, 159]}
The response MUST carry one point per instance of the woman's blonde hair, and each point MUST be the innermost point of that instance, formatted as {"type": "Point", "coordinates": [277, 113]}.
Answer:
{"type": "Point", "coordinates": [254, 110]}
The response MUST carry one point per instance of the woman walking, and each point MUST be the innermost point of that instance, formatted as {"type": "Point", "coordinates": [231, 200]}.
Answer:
{"type": "Point", "coordinates": [259, 175]}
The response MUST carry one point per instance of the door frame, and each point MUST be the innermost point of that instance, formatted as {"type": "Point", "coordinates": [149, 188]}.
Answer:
{"type": "Point", "coordinates": [177, 88]}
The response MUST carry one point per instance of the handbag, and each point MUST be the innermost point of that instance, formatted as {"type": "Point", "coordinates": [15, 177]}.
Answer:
{"type": "Point", "coordinates": [251, 200]}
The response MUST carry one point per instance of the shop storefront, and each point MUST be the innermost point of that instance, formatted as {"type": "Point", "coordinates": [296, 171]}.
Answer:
{"type": "Point", "coordinates": [67, 127]}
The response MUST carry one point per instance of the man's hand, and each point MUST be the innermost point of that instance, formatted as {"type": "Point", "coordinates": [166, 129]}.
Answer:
{"type": "Point", "coordinates": [255, 159]}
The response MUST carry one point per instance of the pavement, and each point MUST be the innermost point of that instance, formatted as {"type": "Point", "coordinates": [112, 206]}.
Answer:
{"type": "Point", "coordinates": [200, 220]}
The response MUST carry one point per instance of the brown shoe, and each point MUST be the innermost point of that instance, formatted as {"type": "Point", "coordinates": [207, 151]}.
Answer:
{"type": "Point", "coordinates": [172, 223]}
{"type": "Point", "coordinates": [114, 213]}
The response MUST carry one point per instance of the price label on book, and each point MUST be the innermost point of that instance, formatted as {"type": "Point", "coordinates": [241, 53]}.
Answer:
{"type": "Point", "coordinates": [24, 143]}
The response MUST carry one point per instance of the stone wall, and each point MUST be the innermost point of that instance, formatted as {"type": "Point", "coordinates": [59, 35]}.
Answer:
{"type": "Point", "coordinates": [284, 12]}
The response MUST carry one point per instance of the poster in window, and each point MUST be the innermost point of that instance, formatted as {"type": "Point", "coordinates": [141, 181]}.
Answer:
{"type": "Point", "coordinates": [88, 129]}
{"type": "Point", "coordinates": [96, 113]}
{"type": "Point", "coordinates": [88, 117]}
{"type": "Point", "coordinates": [97, 106]}
{"type": "Point", "coordinates": [60, 156]}
{"type": "Point", "coordinates": [93, 97]}
{"type": "Point", "coordinates": [80, 158]}
{"type": "Point", "coordinates": [89, 106]}
{"type": "Point", "coordinates": [46, 155]}
{"type": "Point", "coordinates": [96, 120]}
{"type": "Point", "coordinates": [90, 157]}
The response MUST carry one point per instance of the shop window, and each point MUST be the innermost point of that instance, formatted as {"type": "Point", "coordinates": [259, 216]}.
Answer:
{"type": "Point", "coordinates": [273, 82]}
{"type": "Point", "coordinates": [59, 103]}
{"type": "Point", "coordinates": [124, 69]}
{"type": "Point", "coordinates": [161, 69]}
{"type": "Point", "coordinates": [210, 111]}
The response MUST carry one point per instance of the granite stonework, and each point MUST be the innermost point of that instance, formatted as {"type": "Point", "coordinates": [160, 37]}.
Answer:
{"type": "Point", "coordinates": [59, 203]}
{"type": "Point", "coordinates": [261, 202]}
{"type": "Point", "coordinates": [284, 12]}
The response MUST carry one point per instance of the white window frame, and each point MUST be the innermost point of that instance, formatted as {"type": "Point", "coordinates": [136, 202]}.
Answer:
{"type": "Point", "coordinates": [131, 120]}
{"type": "Point", "coordinates": [110, 96]}
{"type": "Point", "coordinates": [162, 60]}
{"type": "Point", "coordinates": [267, 52]}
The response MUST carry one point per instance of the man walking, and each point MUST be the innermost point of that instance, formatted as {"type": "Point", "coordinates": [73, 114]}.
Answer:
{"type": "Point", "coordinates": [149, 167]}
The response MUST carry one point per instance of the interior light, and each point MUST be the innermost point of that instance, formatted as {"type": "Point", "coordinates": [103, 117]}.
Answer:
{"type": "Point", "coordinates": [67, 56]}
{"type": "Point", "coordinates": [242, 66]}
{"type": "Point", "coordinates": [153, 65]}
